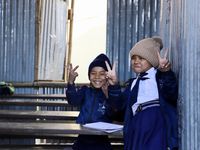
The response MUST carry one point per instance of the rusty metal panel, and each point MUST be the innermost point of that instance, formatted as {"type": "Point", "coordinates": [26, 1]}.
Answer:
{"type": "Point", "coordinates": [127, 22]}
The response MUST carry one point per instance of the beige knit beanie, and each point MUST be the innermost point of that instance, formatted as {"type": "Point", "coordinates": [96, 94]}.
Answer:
{"type": "Point", "coordinates": [147, 48]}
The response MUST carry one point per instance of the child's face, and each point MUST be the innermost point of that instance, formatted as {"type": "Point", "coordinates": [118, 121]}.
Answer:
{"type": "Point", "coordinates": [139, 64]}
{"type": "Point", "coordinates": [98, 77]}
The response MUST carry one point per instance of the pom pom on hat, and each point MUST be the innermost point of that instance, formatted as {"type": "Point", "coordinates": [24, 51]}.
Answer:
{"type": "Point", "coordinates": [147, 48]}
{"type": "Point", "coordinates": [99, 61]}
{"type": "Point", "coordinates": [158, 40]}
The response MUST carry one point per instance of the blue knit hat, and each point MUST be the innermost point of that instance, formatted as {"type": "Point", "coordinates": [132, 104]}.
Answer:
{"type": "Point", "coordinates": [99, 61]}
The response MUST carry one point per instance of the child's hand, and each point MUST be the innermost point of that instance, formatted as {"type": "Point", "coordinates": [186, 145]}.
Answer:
{"type": "Point", "coordinates": [164, 64]}
{"type": "Point", "coordinates": [111, 74]}
{"type": "Point", "coordinates": [105, 89]}
{"type": "Point", "coordinates": [72, 74]}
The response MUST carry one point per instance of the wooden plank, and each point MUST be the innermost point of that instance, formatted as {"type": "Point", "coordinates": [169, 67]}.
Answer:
{"type": "Point", "coordinates": [32, 102]}
{"type": "Point", "coordinates": [116, 146]}
{"type": "Point", "coordinates": [68, 137]}
{"type": "Point", "coordinates": [34, 96]}
{"type": "Point", "coordinates": [41, 84]}
{"type": "Point", "coordinates": [36, 147]}
{"type": "Point", "coordinates": [57, 124]}
{"type": "Point", "coordinates": [25, 114]}
{"type": "Point", "coordinates": [44, 129]}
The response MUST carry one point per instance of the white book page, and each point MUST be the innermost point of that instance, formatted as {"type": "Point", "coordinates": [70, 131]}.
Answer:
{"type": "Point", "coordinates": [104, 126]}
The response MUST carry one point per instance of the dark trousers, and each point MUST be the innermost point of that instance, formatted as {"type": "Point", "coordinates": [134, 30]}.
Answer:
{"type": "Point", "coordinates": [92, 142]}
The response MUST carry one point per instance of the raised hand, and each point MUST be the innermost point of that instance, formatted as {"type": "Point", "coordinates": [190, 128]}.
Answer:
{"type": "Point", "coordinates": [111, 74]}
{"type": "Point", "coordinates": [164, 64]}
{"type": "Point", "coordinates": [72, 73]}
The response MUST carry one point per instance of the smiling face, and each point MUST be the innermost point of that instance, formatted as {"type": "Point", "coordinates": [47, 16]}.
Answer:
{"type": "Point", "coordinates": [139, 64]}
{"type": "Point", "coordinates": [98, 77]}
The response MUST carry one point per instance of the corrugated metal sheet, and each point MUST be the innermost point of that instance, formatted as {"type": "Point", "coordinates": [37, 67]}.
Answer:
{"type": "Point", "coordinates": [184, 25]}
{"type": "Point", "coordinates": [53, 43]}
{"type": "Point", "coordinates": [17, 40]}
{"type": "Point", "coordinates": [127, 22]}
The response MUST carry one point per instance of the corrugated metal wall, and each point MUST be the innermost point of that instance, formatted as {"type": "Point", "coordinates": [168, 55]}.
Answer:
{"type": "Point", "coordinates": [127, 22]}
{"type": "Point", "coordinates": [184, 37]}
{"type": "Point", "coordinates": [17, 40]}
{"type": "Point", "coordinates": [20, 50]}
{"type": "Point", "coordinates": [53, 42]}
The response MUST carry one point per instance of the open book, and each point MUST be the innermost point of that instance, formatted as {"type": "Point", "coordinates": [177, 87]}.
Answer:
{"type": "Point", "coordinates": [104, 126]}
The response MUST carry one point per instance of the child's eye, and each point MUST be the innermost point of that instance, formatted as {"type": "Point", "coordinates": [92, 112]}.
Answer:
{"type": "Point", "coordinates": [133, 57]}
{"type": "Point", "coordinates": [102, 74]}
{"type": "Point", "coordinates": [92, 73]}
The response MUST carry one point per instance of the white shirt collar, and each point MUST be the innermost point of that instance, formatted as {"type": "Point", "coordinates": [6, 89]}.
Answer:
{"type": "Point", "coordinates": [151, 72]}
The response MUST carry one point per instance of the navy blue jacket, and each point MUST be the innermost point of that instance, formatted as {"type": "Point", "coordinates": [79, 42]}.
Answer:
{"type": "Point", "coordinates": [94, 106]}
{"type": "Point", "coordinates": [168, 94]}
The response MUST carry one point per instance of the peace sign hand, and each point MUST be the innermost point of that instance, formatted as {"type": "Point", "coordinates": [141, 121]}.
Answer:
{"type": "Point", "coordinates": [164, 64]}
{"type": "Point", "coordinates": [111, 74]}
{"type": "Point", "coordinates": [72, 74]}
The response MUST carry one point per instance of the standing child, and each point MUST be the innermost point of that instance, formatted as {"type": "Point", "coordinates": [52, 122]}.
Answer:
{"type": "Point", "coordinates": [94, 103]}
{"type": "Point", "coordinates": [150, 100]}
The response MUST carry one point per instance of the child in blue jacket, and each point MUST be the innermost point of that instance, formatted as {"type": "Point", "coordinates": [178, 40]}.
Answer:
{"type": "Point", "coordinates": [94, 102]}
{"type": "Point", "coordinates": [149, 100]}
